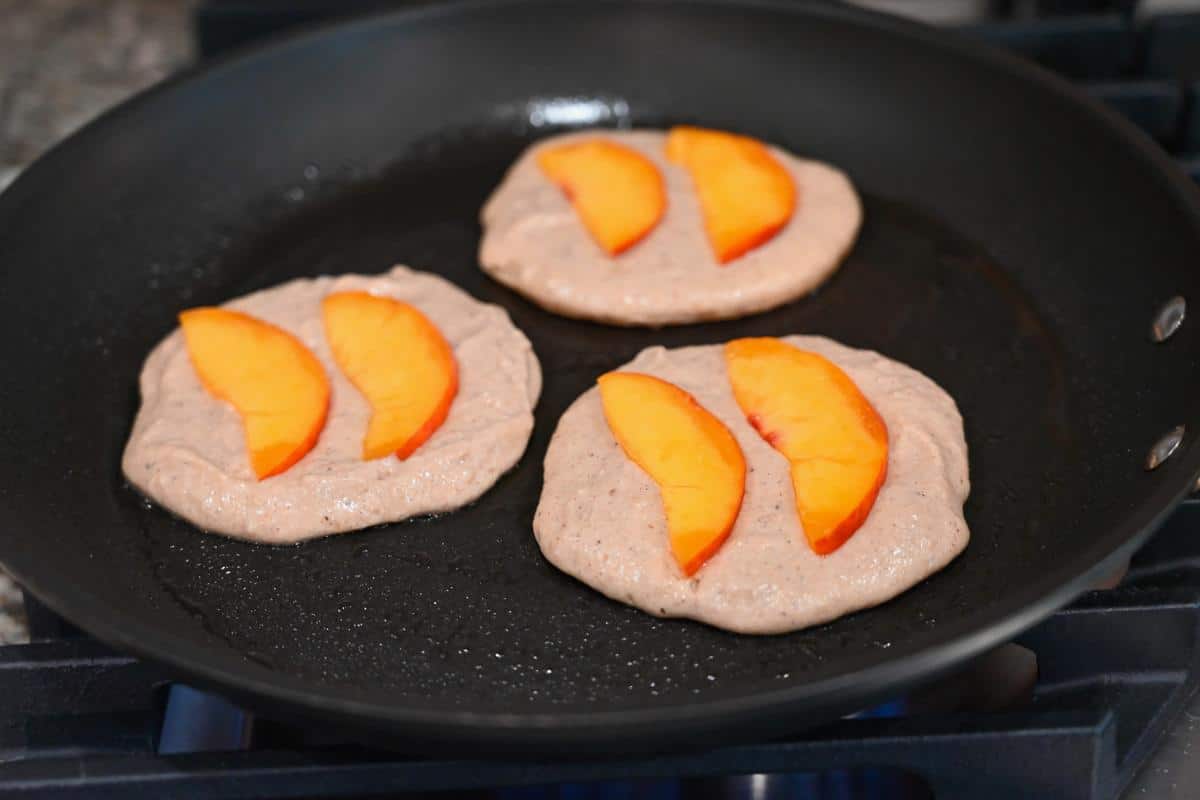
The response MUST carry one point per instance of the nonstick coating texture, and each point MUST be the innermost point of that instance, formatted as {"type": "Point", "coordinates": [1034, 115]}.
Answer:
{"type": "Point", "coordinates": [1017, 242]}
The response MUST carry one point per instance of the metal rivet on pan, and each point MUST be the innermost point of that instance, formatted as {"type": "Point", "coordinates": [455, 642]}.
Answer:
{"type": "Point", "coordinates": [1168, 319]}
{"type": "Point", "coordinates": [1165, 447]}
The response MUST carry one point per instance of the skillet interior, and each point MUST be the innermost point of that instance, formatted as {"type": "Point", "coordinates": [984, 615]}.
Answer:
{"type": "Point", "coordinates": [1016, 244]}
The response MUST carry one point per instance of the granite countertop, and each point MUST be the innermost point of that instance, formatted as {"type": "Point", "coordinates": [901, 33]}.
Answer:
{"type": "Point", "coordinates": [62, 62]}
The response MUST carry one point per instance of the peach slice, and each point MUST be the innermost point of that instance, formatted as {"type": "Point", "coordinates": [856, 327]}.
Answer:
{"type": "Point", "coordinates": [400, 362]}
{"type": "Point", "coordinates": [617, 192]}
{"type": "Point", "coordinates": [746, 195]}
{"type": "Point", "coordinates": [275, 383]}
{"type": "Point", "coordinates": [812, 413]}
{"type": "Point", "coordinates": [694, 459]}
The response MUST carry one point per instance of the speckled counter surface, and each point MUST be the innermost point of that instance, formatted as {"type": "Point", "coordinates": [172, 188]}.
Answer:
{"type": "Point", "coordinates": [62, 62]}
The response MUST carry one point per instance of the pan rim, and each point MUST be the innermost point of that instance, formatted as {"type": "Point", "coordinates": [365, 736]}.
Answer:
{"type": "Point", "coordinates": [956, 642]}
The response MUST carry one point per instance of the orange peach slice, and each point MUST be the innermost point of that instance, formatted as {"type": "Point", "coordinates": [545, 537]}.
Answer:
{"type": "Point", "coordinates": [275, 383]}
{"type": "Point", "coordinates": [693, 458]}
{"type": "Point", "coordinates": [399, 361]}
{"type": "Point", "coordinates": [617, 192]}
{"type": "Point", "coordinates": [814, 414]}
{"type": "Point", "coordinates": [746, 195]}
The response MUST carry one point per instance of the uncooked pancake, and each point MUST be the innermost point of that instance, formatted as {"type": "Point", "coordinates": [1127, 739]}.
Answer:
{"type": "Point", "coordinates": [187, 449]}
{"type": "Point", "coordinates": [534, 242]}
{"type": "Point", "coordinates": [601, 516]}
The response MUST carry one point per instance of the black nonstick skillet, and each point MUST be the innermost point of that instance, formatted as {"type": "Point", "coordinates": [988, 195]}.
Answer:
{"type": "Point", "coordinates": [1018, 244]}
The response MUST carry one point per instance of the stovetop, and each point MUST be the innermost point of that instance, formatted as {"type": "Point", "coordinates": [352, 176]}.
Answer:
{"type": "Point", "coordinates": [1073, 709]}
{"type": "Point", "coordinates": [1113, 671]}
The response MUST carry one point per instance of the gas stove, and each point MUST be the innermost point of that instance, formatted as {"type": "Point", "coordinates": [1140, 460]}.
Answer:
{"type": "Point", "coordinates": [1076, 708]}
{"type": "Point", "coordinates": [1071, 710]}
